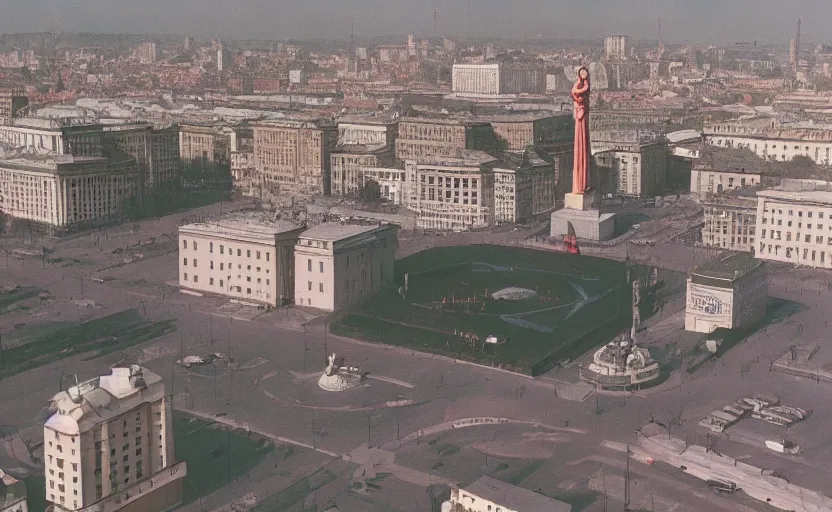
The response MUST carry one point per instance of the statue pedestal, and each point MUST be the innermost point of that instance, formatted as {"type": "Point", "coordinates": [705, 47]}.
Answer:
{"type": "Point", "coordinates": [581, 210]}
{"type": "Point", "coordinates": [581, 202]}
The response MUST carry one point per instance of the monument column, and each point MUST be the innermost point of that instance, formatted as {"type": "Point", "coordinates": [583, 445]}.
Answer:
{"type": "Point", "coordinates": [581, 213]}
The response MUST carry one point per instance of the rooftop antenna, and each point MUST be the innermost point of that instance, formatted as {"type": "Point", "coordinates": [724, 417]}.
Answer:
{"type": "Point", "coordinates": [352, 37]}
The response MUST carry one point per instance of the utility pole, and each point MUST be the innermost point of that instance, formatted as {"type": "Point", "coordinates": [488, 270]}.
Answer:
{"type": "Point", "coordinates": [305, 349]}
{"type": "Point", "coordinates": [313, 429]}
{"type": "Point", "coordinates": [211, 328]}
{"type": "Point", "coordinates": [604, 482]}
{"type": "Point", "coordinates": [326, 328]}
{"type": "Point", "coordinates": [368, 431]}
{"type": "Point", "coordinates": [627, 482]}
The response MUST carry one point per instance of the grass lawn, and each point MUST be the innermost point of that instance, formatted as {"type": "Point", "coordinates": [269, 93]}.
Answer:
{"type": "Point", "coordinates": [39, 345]}
{"type": "Point", "coordinates": [8, 300]}
{"type": "Point", "coordinates": [215, 456]}
{"type": "Point", "coordinates": [574, 303]}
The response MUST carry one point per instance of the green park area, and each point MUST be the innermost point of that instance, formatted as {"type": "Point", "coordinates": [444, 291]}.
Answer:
{"type": "Point", "coordinates": [37, 345]}
{"type": "Point", "coordinates": [542, 308]}
{"type": "Point", "coordinates": [216, 455]}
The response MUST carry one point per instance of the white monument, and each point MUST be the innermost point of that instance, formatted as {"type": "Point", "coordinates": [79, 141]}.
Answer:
{"type": "Point", "coordinates": [337, 377]}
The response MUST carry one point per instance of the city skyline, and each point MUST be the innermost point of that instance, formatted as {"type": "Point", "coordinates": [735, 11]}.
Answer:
{"type": "Point", "coordinates": [703, 21]}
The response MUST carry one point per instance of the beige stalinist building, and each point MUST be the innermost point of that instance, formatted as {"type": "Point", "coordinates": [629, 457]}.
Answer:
{"type": "Point", "coordinates": [293, 157]}
{"type": "Point", "coordinates": [108, 446]}
{"type": "Point", "coordinates": [335, 265]}
{"type": "Point", "coordinates": [65, 190]}
{"type": "Point", "coordinates": [246, 257]}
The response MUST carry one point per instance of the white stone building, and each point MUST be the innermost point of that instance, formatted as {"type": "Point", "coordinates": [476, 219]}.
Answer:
{"type": "Point", "coordinates": [452, 194]}
{"type": "Point", "coordinates": [773, 140]}
{"type": "Point", "coordinates": [523, 191]}
{"type": "Point", "coordinates": [491, 495]}
{"type": "Point", "coordinates": [730, 291]}
{"type": "Point", "coordinates": [248, 258]}
{"type": "Point", "coordinates": [616, 48]}
{"type": "Point", "coordinates": [108, 445]}
{"type": "Point", "coordinates": [66, 190]}
{"type": "Point", "coordinates": [794, 222]}
{"type": "Point", "coordinates": [336, 264]}
{"type": "Point", "coordinates": [54, 136]}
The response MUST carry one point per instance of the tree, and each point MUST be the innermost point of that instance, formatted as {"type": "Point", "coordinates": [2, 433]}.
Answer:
{"type": "Point", "coordinates": [370, 192]}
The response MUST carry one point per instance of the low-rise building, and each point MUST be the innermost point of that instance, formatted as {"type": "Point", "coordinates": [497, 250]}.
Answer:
{"type": "Point", "coordinates": [63, 191]}
{"type": "Point", "coordinates": [636, 161]}
{"type": "Point", "coordinates": [337, 264]}
{"type": "Point", "coordinates": [391, 182]}
{"type": "Point", "coordinates": [730, 221]}
{"type": "Point", "coordinates": [246, 257]}
{"type": "Point", "coordinates": [452, 193]}
{"type": "Point", "coordinates": [730, 291]}
{"type": "Point", "coordinates": [524, 190]}
{"type": "Point", "coordinates": [108, 445]}
{"type": "Point", "coordinates": [491, 495]}
{"type": "Point", "coordinates": [794, 221]}
{"type": "Point", "coordinates": [11, 102]}
{"type": "Point", "coordinates": [705, 181]}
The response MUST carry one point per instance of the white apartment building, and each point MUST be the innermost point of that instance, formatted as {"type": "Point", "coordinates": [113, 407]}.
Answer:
{"type": "Point", "coordinates": [146, 52]}
{"type": "Point", "coordinates": [491, 495]}
{"type": "Point", "coordinates": [794, 222]}
{"type": "Point", "coordinates": [245, 257]}
{"type": "Point", "coordinates": [772, 140]}
{"type": "Point", "coordinates": [730, 291]}
{"type": "Point", "coordinates": [336, 265]}
{"type": "Point", "coordinates": [108, 446]}
{"type": "Point", "coordinates": [616, 47]}
{"type": "Point", "coordinates": [452, 194]}
{"type": "Point", "coordinates": [66, 190]}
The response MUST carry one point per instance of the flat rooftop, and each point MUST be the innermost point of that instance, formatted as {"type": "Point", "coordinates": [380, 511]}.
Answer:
{"type": "Point", "coordinates": [333, 231]}
{"type": "Point", "coordinates": [817, 197]}
{"type": "Point", "coordinates": [243, 226]}
{"type": "Point", "coordinates": [728, 265]}
{"type": "Point", "coordinates": [513, 497]}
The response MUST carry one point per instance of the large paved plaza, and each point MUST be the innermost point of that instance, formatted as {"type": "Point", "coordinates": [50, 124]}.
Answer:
{"type": "Point", "coordinates": [550, 440]}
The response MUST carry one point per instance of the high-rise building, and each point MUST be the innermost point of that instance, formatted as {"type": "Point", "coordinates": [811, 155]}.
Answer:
{"type": "Point", "coordinates": [223, 59]}
{"type": "Point", "coordinates": [156, 151]}
{"type": "Point", "coordinates": [11, 101]}
{"type": "Point", "coordinates": [293, 156]}
{"type": "Point", "coordinates": [189, 40]}
{"type": "Point", "coordinates": [146, 52]}
{"type": "Point", "coordinates": [616, 47]}
{"type": "Point", "coordinates": [109, 445]}
{"type": "Point", "coordinates": [205, 143]}
{"type": "Point", "coordinates": [793, 55]}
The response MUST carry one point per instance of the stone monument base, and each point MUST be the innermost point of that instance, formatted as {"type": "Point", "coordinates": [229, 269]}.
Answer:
{"type": "Point", "coordinates": [580, 210]}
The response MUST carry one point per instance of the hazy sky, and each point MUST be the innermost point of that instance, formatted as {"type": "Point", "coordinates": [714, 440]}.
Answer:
{"type": "Point", "coordinates": [722, 21]}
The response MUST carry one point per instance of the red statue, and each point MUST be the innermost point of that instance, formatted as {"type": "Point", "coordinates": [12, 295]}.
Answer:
{"type": "Point", "coordinates": [580, 169]}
